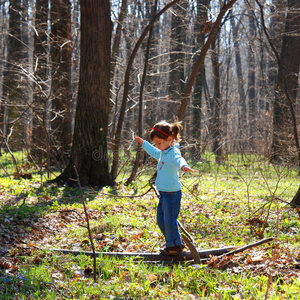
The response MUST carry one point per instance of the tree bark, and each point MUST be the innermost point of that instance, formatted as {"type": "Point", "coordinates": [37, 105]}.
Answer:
{"type": "Point", "coordinates": [202, 8]}
{"type": "Point", "coordinates": [287, 84]}
{"type": "Point", "coordinates": [61, 93]}
{"type": "Point", "coordinates": [284, 120]}
{"type": "Point", "coordinates": [242, 113]}
{"type": "Point", "coordinates": [177, 49]}
{"type": "Point", "coordinates": [12, 76]}
{"type": "Point", "coordinates": [89, 149]}
{"type": "Point", "coordinates": [140, 116]}
{"type": "Point", "coordinates": [216, 117]}
{"type": "Point", "coordinates": [276, 27]}
{"type": "Point", "coordinates": [41, 84]}
{"type": "Point", "coordinates": [252, 74]}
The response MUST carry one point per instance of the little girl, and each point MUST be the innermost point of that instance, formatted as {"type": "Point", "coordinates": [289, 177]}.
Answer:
{"type": "Point", "coordinates": [165, 136]}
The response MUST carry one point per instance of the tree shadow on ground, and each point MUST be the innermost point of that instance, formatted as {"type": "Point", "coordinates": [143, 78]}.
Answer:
{"type": "Point", "coordinates": [25, 216]}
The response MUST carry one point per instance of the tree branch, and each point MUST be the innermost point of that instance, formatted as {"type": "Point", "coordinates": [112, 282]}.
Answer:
{"type": "Point", "coordinates": [200, 60]}
{"type": "Point", "coordinates": [116, 144]}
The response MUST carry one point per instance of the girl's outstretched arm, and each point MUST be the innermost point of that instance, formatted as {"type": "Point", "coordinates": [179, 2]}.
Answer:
{"type": "Point", "coordinates": [140, 140]}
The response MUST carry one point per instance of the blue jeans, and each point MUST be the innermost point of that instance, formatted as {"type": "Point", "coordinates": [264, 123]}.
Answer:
{"type": "Point", "coordinates": [167, 213]}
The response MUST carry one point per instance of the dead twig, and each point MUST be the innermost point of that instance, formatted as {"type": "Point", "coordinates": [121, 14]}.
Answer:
{"type": "Point", "coordinates": [88, 224]}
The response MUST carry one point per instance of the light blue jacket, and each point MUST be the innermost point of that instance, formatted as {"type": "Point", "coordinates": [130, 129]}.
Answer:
{"type": "Point", "coordinates": [170, 162]}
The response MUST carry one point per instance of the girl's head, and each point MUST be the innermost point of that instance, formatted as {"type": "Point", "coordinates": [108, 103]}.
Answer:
{"type": "Point", "coordinates": [164, 134]}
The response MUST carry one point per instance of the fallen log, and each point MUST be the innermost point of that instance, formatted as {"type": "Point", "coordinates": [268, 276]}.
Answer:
{"type": "Point", "coordinates": [149, 256]}
{"type": "Point", "coordinates": [204, 255]}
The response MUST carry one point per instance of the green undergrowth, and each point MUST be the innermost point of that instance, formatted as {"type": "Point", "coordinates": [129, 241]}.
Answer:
{"type": "Point", "coordinates": [241, 201]}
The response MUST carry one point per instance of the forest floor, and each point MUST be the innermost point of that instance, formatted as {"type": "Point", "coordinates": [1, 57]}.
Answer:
{"type": "Point", "coordinates": [223, 205]}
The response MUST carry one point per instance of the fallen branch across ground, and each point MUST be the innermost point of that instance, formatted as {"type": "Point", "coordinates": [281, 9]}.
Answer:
{"type": "Point", "coordinates": [204, 255]}
{"type": "Point", "coordinates": [149, 256]}
{"type": "Point", "coordinates": [241, 249]}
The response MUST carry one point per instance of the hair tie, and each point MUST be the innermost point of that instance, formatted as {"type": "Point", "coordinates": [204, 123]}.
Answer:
{"type": "Point", "coordinates": [161, 131]}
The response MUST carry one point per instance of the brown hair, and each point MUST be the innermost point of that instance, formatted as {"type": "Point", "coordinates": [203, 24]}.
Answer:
{"type": "Point", "coordinates": [164, 129]}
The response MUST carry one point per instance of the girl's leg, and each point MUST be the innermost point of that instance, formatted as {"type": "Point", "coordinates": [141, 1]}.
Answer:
{"type": "Point", "coordinates": [160, 215]}
{"type": "Point", "coordinates": [171, 208]}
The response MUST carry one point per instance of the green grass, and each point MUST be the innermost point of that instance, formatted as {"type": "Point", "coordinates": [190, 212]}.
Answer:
{"type": "Point", "coordinates": [219, 203]}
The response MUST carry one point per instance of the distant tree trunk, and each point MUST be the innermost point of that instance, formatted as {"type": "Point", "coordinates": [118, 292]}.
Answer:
{"type": "Point", "coordinates": [89, 148]}
{"type": "Point", "coordinates": [202, 8]}
{"type": "Point", "coordinates": [27, 91]}
{"type": "Point", "coordinates": [41, 84]}
{"type": "Point", "coordinates": [3, 24]}
{"type": "Point", "coordinates": [277, 23]}
{"type": "Point", "coordinates": [251, 73]}
{"type": "Point", "coordinates": [12, 76]}
{"type": "Point", "coordinates": [284, 121]}
{"type": "Point", "coordinates": [216, 120]}
{"type": "Point", "coordinates": [214, 29]}
{"type": "Point", "coordinates": [61, 93]}
{"type": "Point", "coordinates": [242, 114]}
{"type": "Point", "coordinates": [140, 116]}
{"type": "Point", "coordinates": [177, 49]}
{"type": "Point", "coordinates": [117, 38]}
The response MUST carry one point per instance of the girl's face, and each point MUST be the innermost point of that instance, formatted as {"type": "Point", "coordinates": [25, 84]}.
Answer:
{"type": "Point", "coordinates": [162, 144]}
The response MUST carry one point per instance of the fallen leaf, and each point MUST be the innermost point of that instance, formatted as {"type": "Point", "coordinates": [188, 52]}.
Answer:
{"type": "Point", "coordinates": [151, 277]}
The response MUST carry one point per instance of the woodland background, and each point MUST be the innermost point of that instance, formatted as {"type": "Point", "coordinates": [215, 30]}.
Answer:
{"type": "Point", "coordinates": [79, 79]}
{"type": "Point", "coordinates": [107, 64]}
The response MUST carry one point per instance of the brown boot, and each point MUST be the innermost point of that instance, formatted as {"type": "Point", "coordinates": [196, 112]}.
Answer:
{"type": "Point", "coordinates": [175, 250]}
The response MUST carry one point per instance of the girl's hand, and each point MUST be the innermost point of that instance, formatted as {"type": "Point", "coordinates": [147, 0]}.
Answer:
{"type": "Point", "coordinates": [186, 169]}
{"type": "Point", "coordinates": [140, 140]}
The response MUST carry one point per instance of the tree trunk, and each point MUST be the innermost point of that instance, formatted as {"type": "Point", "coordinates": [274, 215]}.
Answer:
{"type": "Point", "coordinates": [41, 83]}
{"type": "Point", "coordinates": [12, 76]}
{"type": "Point", "coordinates": [140, 116]}
{"type": "Point", "coordinates": [284, 121]}
{"type": "Point", "coordinates": [251, 74]}
{"type": "Point", "coordinates": [117, 38]}
{"type": "Point", "coordinates": [202, 8]}
{"type": "Point", "coordinates": [177, 49]}
{"type": "Point", "coordinates": [213, 31]}
{"type": "Point", "coordinates": [277, 22]}
{"type": "Point", "coordinates": [216, 121]}
{"type": "Point", "coordinates": [242, 113]}
{"type": "Point", "coordinates": [89, 149]}
{"type": "Point", "coordinates": [61, 93]}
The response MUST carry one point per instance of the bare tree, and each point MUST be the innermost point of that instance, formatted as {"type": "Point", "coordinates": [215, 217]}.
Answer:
{"type": "Point", "coordinates": [201, 29]}
{"type": "Point", "coordinates": [39, 140]}
{"type": "Point", "coordinates": [284, 121]}
{"type": "Point", "coordinates": [242, 110]}
{"type": "Point", "coordinates": [216, 108]}
{"type": "Point", "coordinates": [61, 93]}
{"type": "Point", "coordinates": [10, 110]}
{"type": "Point", "coordinates": [251, 91]}
{"type": "Point", "coordinates": [89, 149]}
{"type": "Point", "coordinates": [177, 55]}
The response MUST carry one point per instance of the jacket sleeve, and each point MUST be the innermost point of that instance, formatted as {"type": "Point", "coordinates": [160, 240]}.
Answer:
{"type": "Point", "coordinates": [178, 160]}
{"type": "Point", "coordinates": [151, 150]}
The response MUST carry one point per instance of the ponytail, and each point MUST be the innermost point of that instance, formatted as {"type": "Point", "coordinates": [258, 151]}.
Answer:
{"type": "Point", "coordinates": [175, 130]}
{"type": "Point", "coordinates": [164, 129]}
